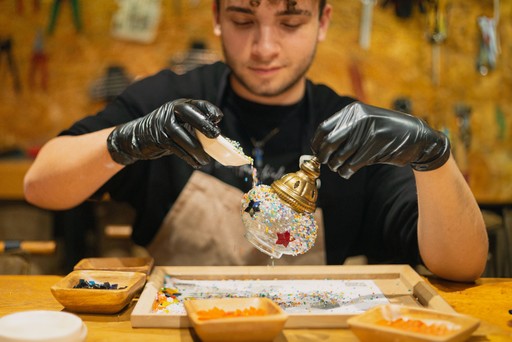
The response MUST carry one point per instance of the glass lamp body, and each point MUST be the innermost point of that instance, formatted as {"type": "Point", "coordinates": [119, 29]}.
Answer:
{"type": "Point", "coordinates": [274, 227]}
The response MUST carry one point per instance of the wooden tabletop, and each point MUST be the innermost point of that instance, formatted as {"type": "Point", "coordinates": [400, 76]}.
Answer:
{"type": "Point", "coordinates": [12, 172]}
{"type": "Point", "coordinates": [487, 299]}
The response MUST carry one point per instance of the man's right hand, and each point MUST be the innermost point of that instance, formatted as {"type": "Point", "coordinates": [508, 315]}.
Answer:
{"type": "Point", "coordinates": [167, 130]}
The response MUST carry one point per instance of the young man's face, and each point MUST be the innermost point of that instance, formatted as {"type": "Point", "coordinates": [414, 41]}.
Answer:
{"type": "Point", "coordinates": [269, 45]}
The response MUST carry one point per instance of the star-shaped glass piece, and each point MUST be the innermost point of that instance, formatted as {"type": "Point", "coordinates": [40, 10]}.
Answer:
{"type": "Point", "coordinates": [283, 238]}
{"type": "Point", "coordinates": [253, 207]}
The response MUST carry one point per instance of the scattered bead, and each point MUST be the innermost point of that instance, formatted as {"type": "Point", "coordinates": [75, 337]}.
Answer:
{"type": "Point", "coordinates": [215, 313]}
{"type": "Point", "coordinates": [91, 284]}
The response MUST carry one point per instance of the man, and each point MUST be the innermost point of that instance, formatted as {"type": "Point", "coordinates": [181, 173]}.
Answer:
{"type": "Point", "coordinates": [396, 195]}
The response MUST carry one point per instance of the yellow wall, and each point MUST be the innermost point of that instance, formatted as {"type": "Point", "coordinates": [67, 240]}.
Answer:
{"type": "Point", "coordinates": [398, 63]}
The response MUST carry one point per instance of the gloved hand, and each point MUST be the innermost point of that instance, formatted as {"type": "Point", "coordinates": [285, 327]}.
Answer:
{"type": "Point", "coordinates": [167, 130]}
{"type": "Point", "coordinates": [360, 135]}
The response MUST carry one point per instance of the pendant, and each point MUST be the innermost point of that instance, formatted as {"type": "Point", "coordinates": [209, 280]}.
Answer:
{"type": "Point", "coordinates": [257, 153]}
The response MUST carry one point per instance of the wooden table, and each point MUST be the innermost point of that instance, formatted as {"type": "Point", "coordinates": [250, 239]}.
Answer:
{"type": "Point", "coordinates": [12, 172]}
{"type": "Point", "coordinates": [489, 299]}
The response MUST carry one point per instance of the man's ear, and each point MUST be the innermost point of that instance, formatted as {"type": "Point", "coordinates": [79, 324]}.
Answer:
{"type": "Point", "coordinates": [216, 30]}
{"type": "Point", "coordinates": [325, 20]}
{"type": "Point", "coordinates": [216, 22]}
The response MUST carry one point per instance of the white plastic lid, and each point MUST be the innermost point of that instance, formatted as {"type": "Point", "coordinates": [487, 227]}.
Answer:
{"type": "Point", "coordinates": [42, 326]}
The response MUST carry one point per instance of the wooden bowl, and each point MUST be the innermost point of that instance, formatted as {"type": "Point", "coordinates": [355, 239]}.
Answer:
{"type": "Point", "coordinates": [245, 328]}
{"type": "Point", "coordinates": [130, 264]}
{"type": "Point", "coordinates": [373, 324]}
{"type": "Point", "coordinates": [98, 300]}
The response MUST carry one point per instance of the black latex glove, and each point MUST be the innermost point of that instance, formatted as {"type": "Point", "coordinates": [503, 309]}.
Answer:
{"type": "Point", "coordinates": [360, 135]}
{"type": "Point", "coordinates": [167, 130]}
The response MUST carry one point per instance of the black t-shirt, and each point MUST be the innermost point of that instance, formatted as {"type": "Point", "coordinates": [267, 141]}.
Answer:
{"type": "Point", "coordinates": [373, 213]}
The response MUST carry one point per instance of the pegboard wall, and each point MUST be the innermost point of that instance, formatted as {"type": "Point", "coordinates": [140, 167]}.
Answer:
{"type": "Point", "coordinates": [398, 63]}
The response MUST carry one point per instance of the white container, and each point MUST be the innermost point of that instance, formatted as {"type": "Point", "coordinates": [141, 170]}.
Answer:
{"type": "Point", "coordinates": [42, 326]}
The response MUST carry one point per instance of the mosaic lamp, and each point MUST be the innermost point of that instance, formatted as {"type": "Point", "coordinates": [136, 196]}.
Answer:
{"type": "Point", "coordinates": [279, 218]}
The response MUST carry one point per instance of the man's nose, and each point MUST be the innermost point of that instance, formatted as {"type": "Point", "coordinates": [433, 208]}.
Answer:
{"type": "Point", "coordinates": [266, 44]}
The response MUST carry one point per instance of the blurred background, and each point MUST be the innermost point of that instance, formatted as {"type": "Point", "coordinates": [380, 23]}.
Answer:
{"type": "Point", "coordinates": [446, 61]}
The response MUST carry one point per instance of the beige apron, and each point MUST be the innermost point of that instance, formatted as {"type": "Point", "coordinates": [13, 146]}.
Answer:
{"type": "Point", "coordinates": [204, 227]}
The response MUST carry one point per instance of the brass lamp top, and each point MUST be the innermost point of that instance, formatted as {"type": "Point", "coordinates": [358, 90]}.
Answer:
{"type": "Point", "coordinates": [298, 189]}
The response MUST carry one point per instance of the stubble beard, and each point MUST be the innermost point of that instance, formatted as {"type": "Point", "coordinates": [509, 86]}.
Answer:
{"type": "Point", "coordinates": [265, 89]}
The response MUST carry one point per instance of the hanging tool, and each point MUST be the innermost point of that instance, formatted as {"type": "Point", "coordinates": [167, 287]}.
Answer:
{"type": "Point", "coordinates": [55, 11]}
{"type": "Point", "coordinates": [6, 51]}
{"type": "Point", "coordinates": [365, 27]}
{"type": "Point", "coordinates": [38, 62]}
{"type": "Point", "coordinates": [356, 79]}
{"type": "Point", "coordinates": [489, 41]}
{"type": "Point", "coordinates": [437, 34]}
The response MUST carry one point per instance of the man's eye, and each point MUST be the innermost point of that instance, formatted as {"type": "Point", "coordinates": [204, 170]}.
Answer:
{"type": "Point", "coordinates": [291, 25]}
{"type": "Point", "coordinates": [242, 23]}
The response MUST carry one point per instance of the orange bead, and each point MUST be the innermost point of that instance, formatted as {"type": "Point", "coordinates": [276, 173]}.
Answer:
{"type": "Point", "coordinates": [215, 312]}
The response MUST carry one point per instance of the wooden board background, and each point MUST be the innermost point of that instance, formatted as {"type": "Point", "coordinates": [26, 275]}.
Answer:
{"type": "Point", "coordinates": [399, 283]}
{"type": "Point", "coordinates": [398, 63]}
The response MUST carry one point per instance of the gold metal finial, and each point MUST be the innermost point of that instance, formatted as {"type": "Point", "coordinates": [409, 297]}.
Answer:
{"type": "Point", "coordinates": [298, 189]}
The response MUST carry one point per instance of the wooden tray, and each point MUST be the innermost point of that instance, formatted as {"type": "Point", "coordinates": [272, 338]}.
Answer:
{"type": "Point", "coordinates": [98, 300]}
{"type": "Point", "coordinates": [369, 326]}
{"type": "Point", "coordinates": [241, 328]}
{"type": "Point", "coordinates": [124, 264]}
{"type": "Point", "coordinates": [400, 284]}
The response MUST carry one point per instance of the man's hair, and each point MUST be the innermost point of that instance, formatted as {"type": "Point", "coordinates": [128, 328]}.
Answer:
{"type": "Point", "coordinates": [321, 5]}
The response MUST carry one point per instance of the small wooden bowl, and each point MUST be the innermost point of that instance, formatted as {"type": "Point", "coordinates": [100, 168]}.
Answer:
{"type": "Point", "coordinates": [368, 326]}
{"type": "Point", "coordinates": [116, 264]}
{"type": "Point", "coordinates": [246, 328]}
{"type": "Point", "coordinates": [98, 300]}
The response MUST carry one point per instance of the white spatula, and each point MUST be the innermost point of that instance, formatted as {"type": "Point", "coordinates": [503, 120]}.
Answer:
{"type": "Point", "coordinates": [223, 151]}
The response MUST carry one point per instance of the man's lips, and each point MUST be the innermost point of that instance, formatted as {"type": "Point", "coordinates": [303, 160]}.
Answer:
{"type": "Point", "coordinates": [264, 70]}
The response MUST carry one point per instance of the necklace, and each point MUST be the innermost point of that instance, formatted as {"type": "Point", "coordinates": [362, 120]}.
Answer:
{"type": "Point", "coordinates": [258, 145]}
